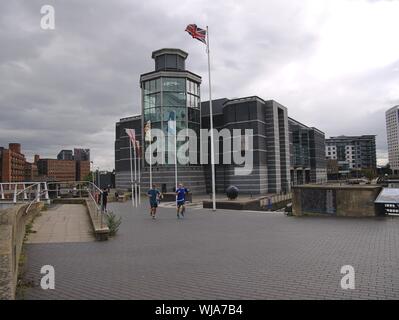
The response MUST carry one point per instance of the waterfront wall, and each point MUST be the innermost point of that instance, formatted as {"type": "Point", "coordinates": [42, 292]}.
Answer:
{"type": "Point", "coordinates": [349, 201]}
{"type": "Point", "coordinates": [13, 223]}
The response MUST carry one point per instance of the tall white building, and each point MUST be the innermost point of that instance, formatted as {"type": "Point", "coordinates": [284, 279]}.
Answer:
{"type": "Point", "coordinates": [392, 122]}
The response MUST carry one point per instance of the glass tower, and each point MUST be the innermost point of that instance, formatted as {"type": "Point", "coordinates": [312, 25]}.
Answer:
{"type": "Point", "coordinates": [171, 89]}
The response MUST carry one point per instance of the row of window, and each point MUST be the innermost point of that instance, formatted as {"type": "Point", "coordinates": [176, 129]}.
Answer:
{"type": "Point", "coordinates": [170, 99]}
{"type": "Point", "coordinates": [170, 113]}
{"type": "Point", "coordinates": [171, 85]}
{"type": "Point", "coordinates": [179, 125]}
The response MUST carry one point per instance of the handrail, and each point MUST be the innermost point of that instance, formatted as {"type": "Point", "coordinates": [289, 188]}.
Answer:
{"type": "Point", "coordinates": [24, 190]}
{"type": "Point", "coordinates": [87, 186]}
{"type": "Point", "coordinates": [20, 183]}
{"type": "Point", "coordinates": [35, 200]}
{"type": "Point", "coordinates": [75, 182]}
{"type": "Point", "coordinates": [88, 189]}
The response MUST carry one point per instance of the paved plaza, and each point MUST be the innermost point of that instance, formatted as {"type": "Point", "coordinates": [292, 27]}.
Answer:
{"type": "Point", "coordinates": [223, 255]}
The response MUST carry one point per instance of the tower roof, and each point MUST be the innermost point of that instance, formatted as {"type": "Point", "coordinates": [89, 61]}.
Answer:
{"type": "Point", "coordinates": [163, 51]}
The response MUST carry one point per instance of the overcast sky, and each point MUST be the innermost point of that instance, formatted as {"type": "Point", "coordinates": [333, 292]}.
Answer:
{"type": "Point", "coordinates": [333, 64]}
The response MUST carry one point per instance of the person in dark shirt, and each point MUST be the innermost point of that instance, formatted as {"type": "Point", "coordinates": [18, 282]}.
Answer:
{"type": "Point", "coordinates": [105, 199]}
{"type": "Point", "coordinates": [154, 197]}
{"type": "Point", "coordinates": [181, 192]}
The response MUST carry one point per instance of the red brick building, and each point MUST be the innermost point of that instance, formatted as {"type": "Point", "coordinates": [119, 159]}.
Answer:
{"type": "Point", "coordinates": [15, 168]}
{"type": "Point", "coordinates": [31, 172]}
{"type": "Point", "coordinates": [12, 164]}
{"type": "Point", "coordinates": [82, 170]}
{"type": "Point", "coordinates": [59, 170]}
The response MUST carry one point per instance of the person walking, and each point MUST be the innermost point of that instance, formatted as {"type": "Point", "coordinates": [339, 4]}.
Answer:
{"type": "Point", "coordinates": [181, 192]}
{"type": "Point", "coordinates": [154, 197]}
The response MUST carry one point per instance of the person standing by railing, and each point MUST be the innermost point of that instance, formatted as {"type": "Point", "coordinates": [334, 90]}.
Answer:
{"type": "Point", "coordinates": [104, 198]}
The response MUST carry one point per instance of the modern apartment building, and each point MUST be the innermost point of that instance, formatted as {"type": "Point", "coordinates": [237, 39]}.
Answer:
{"type": "Point", "coordinates": [392, 124]}
{"type": "Point", "coordinates": [173, 89]}
{"type": "Point", "coordinates": [358, 152]}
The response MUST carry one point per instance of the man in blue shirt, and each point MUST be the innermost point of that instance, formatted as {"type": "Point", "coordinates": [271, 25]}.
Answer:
{"type": "Point", "coordinates": [181, 199]}
{"type": "Point", "coordinates": [154, 197]}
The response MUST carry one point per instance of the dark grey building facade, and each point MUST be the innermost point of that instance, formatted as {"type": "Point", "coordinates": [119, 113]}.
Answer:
{"type": "Point", "coordinates": [171, 88]}
{"type": "Point", "coordinates": [269, 122]}
{"type": "Point", "coordinates": [81, 154]}
{"type": "Point", "coordinates": [307, 154]}
{"type": "Point", "coordinates": [65, 155]}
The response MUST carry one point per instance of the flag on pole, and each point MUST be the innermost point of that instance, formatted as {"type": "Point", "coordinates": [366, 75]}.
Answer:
{"type": "Point", "coordinates": [147, 131]}
{"type": "Point", "coordinates": [138, 150]}
{"type": "Point", "coordinates": [196, 33]}
{"type": "Point", "coordinates": [203, 36]}
{"type": "Point", "coordinates": [172, 123]}
{"type": "Point", "coordinates": [132, 135]}
{"type": "Point", "coordinates": [132, 142]}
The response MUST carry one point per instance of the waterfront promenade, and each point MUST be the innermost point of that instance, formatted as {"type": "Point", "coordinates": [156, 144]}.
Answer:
{"type": "Point", "coordinates": [222, 255]}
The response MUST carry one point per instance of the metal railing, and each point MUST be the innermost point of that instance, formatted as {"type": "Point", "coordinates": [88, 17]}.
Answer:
{"type": "Point", "coordinates": [79, 188]}
{"type": "Point", "coordinates": [31, 192]}
{"type": "Point", "coordinates": [272, 199]}
{"type": "Point", "coordinates": [21, 192]}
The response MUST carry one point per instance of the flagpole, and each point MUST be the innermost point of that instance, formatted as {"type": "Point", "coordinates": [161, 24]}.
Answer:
{"type": "Point", "coordinates": [131, 170]}
{"type": "Point", "coordinates": [139, 164]}
{"type": "Point", "coordinates": [135, 175]}
{"type": "Point", "coordinates": [175, 157]}
{"type": "Point", "coordinates": [211, 124]}
{"type": "Point", "coordinates": [150, 156]}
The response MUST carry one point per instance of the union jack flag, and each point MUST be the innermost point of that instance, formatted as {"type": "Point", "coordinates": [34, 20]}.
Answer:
{"type": "Point", "coordinates": [196, 33]}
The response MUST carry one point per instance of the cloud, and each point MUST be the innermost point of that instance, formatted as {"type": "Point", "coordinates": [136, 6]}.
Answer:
{"type": "Point", "coordinates": [334, 64]}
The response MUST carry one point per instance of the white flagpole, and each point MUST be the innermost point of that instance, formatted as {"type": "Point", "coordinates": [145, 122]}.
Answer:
{"type": "Point", "coordinates": [175, 155]}
{"type": "Point", "coordinates": [135, 175]}
{"type": "Point", "coordinates": [150, 156]}
{"type": "Point", "coordinates": [211, 125]}
{"type": "Point", "coordinates": [139, 189]}
{"type": "Point", "coordinates": [131, 170]}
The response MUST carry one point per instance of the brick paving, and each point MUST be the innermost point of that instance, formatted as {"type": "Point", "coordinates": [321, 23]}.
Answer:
{"type": "Point", "coordinates": [224, 255]}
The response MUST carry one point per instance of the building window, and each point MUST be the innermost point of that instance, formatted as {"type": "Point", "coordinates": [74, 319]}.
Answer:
{"type": "Point", "coordinates": [173, 84]}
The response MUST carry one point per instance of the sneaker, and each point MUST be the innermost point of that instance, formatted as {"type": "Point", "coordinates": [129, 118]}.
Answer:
{"type": "Point", "coordinates": [178, 217]}
{"type": "Point", "coordinates": [153, 217]}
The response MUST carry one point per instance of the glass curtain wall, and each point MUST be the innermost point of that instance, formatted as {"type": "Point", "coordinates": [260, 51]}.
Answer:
{"type": "Point", "coordinates": [165, 98]}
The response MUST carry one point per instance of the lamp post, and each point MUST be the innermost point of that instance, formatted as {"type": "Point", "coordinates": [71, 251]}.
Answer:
{"type": "Point", "coordinates": [99, 177]}
{"type": "Point", "coordinates": [92, 171]}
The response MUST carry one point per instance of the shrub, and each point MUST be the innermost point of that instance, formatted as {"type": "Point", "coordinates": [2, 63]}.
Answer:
{"type": "Point", "coordinates": [113, 222]}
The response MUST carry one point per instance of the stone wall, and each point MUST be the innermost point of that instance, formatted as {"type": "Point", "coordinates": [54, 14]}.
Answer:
{"type": "Point", "coordinates": [349, 201]}
{"type": "Point", "coordinates": [256, 204]}
{"type": "Point", "coordinates": [13, 223]}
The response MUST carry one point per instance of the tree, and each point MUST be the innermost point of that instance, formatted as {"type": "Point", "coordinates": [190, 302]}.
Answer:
{"type": "Point", "coordinates": [89, 177]}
